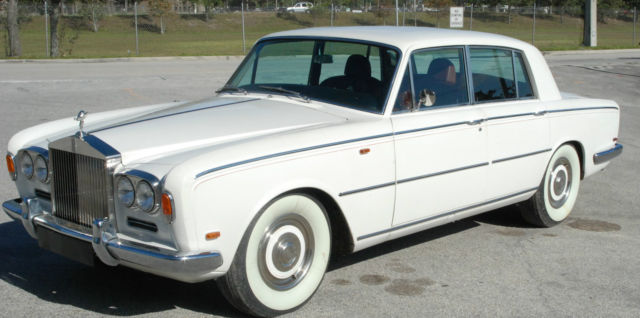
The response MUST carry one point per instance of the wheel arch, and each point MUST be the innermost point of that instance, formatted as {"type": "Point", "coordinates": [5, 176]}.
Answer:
{"type": "Point", "coordinates": [580, 150]}
{"type": "Point", "coordinates": [342, 240]}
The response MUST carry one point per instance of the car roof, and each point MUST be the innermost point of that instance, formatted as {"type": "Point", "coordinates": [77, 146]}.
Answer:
{"type": "Point", "coordinates": [407, 38]}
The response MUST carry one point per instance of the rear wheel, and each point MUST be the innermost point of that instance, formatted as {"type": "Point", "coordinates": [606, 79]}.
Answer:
{"type": "Point", "coordinates": [558, 191]}
{"type": "Point", "coordinates": [282, 257]}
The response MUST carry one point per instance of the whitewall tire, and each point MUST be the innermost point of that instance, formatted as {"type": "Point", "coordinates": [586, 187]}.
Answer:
{"type": "Point", "coordinates": [282, 258]}
{"type": "Point", "coordinates": [558, 191]}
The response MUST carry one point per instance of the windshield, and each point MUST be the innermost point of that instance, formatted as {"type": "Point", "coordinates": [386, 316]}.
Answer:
{"type": "Point", "coordinates": [350, 74]}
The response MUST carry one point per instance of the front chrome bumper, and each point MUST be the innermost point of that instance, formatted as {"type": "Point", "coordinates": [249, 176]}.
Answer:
{"type": "Point", "coordinates": [112, 250]}
{"type": "Point", "coordinates": [604, 156]}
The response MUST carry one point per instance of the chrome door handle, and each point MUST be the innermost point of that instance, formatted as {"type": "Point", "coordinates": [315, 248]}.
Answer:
{"type": "Point", "coordinates": [540, 113]}
{"type": "Point", "coordinates": [476, 122]}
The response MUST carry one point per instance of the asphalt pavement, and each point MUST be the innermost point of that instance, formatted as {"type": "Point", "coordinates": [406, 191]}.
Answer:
{"type": "Point", "coordinates": [485, 266]}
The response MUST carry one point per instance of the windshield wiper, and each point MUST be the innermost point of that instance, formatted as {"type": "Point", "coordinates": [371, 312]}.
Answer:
{"type": "Point", "coordinates": [286, 91]}
{"type": "Point", "coordinates": [231, 89]}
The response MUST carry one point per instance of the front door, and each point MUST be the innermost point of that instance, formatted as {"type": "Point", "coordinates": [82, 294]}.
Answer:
{"type": "Point", "coordinates": [441, 147]}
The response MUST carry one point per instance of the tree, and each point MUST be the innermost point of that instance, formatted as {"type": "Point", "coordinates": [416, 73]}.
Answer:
{"type": "Point", "coordinates": [208, 6]}
{"type": "Point", "coordinates": [54, 9]}
{"type": "Point", "coordinates": [12, 29]}
{"type": "Point", "coordinates": [160, 8]}
{"type": "Point", "coordinates": [93, 10]}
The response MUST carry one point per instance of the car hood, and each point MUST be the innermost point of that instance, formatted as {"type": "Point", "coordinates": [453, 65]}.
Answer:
{"type": "Point", "coordinates": [207, 123]}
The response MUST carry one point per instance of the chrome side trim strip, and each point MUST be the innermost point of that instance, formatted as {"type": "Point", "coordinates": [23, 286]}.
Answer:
{"type": "Point", "coordinates": [604, 156]}
{"type": "Point", "coordinates": [442, 172]}
{"type": "Point", "coordinates": [521, 156]}
{"type": "Point", "coordinates": [234, 164]}
{"type": "Point", "coordinates": [378, 186]}
{"type": "Point", "coordinates": [284, 153]}
{"type": "Point", "coordinates": [367, 188]}
{"type": "Point", "coordinates": [579, 109]}
{"type": "Point", "coordinates": [402, 226]}
{"type": "Point", "coordinates": [430, 128]}
{"type": "Point", "coordinates": [168, 115]}
{"type": "Point", "coordinates": [514, 115]}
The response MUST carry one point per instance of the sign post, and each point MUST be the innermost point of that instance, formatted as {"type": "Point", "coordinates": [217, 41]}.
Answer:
{"type": "Point", "coordinates": [591, 23]}
{"type": "Point", "coordinates": [456, 17]}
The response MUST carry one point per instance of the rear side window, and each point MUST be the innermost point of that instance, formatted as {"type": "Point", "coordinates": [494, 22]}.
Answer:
{"type": "Point", "coordinates": [524, 85]}
{"type": "Point", "coordinates": [498, 74]}
{"type": "Point", "coordinates": [493, 77]}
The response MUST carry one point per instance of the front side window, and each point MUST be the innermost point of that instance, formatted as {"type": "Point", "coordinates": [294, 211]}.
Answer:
{"type": "Point", "coordinates": [440, 72]}
{"type": "Point", "coordinates": [351, 74]}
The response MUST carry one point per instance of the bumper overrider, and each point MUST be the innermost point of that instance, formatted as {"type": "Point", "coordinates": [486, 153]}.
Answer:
{"type": "Point", "coordinates": [604, 156]}
{"type": "Point", "coordinates": [111, 249]}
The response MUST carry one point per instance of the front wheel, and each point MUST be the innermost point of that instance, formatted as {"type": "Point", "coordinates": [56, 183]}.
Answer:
{"type": "Point", "coordinates": [558, 191]}
{"type": "Point", "coordinates": [282, 258]}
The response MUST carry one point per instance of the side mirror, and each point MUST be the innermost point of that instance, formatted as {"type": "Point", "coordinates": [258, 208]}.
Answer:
{"type": "Point", "coordinates": [427, 98]}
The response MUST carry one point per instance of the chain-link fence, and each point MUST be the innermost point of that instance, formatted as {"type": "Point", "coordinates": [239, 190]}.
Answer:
{"type": "Point", "coordinates": [174, 28]}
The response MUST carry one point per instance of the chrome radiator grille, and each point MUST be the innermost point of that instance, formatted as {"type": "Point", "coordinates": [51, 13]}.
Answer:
{"type": "Point", "coordinates": [80, 187]}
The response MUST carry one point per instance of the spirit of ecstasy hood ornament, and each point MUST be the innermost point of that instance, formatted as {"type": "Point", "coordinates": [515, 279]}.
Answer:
{"type": "Point", "coordinates": [80, 117]}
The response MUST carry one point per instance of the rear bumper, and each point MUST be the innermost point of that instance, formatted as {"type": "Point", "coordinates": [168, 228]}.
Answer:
{"type": "Point", "coordinates": [604, 156]}
{"type": "Point", "coordinates": [112, 250]}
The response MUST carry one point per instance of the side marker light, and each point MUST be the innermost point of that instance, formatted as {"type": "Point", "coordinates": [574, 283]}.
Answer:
{"type": "Point", "coordinates": [212, 236]}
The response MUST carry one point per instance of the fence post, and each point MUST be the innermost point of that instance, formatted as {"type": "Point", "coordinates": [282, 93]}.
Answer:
{"type": "Point", "coordinates": [533, 30]}
{"type": "Point", "coordinates": [404, 8]}
{"type": "Point", "coordinates": [635, 19]}
{"type": "Point", "coordinates": [415, 9]}
{"type": "Point", "coordinates": [135, 16]}
{"type": "Point", "coordinates": [244, 47]}
{"type": "Point", "coordinates": [397, 21]}
{"type": "Point", "coordinates": [331, 13]}
{"type": "Point", "coordinates": [471, 18]}
{"type": "Point", "coordinates": [46, 28]}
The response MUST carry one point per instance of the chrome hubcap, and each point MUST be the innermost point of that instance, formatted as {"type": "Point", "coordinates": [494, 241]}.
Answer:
{"type": "Point", "coordinates": [559, 185]}
{"type": "Point", "coordinates": [286, 252]}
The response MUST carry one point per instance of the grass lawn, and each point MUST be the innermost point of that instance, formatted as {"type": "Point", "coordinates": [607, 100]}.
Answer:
{"type": "Point", "coordinates": [193, 35]}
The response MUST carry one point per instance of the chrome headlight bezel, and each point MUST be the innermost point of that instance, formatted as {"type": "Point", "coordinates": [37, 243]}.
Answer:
{"type": "Point", "coordinates": [145, 196]}
{"type": "Point", "coordinates": [123, 194]}
{"type": "Point", "coordinates": [26, 165]}
{"type": "Point", "coordinates": [27, 162]}
{"type": "Point", "coordinates": [41, 169]}
{"type": "Point", "coordinates": [146, 191]}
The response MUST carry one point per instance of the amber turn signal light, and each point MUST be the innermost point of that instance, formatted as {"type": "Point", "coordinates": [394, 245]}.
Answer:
{"type": "Point", "coordinates": [167, 206]}
{"type": "Point", "coordinates": [212, 236]}
{"type": "Point", "coordinates": [11, 167]}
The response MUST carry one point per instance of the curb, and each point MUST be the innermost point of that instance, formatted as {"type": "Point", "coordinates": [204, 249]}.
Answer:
{"type": "Point", "coordinates": [125, 59]}
{"type": "Point", "coordinates": [587, 52]}
{"type": "Point", "coordinates": [239, 57]}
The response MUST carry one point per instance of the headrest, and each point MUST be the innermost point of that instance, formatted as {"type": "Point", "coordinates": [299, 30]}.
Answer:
{"type": "Point", "coordinates": [357, 66]}
{"type": "Point", "coordinates": [443, 70]}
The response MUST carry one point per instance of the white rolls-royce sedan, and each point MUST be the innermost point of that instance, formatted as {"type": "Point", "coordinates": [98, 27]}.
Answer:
{"type": "Point", "coordinates": [324, 141]}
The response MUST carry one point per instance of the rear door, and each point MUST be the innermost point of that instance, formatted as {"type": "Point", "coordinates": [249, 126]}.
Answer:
{"type": "Point", "coordinates": [517, 127]}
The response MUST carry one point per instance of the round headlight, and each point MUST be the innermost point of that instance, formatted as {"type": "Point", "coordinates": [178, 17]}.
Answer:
{"type": "Point", "coordinates": [126, 194]}
{"type": "Point", "coordinates": [26, 165]}
{"type": "Point", "coordinates": [145, 198]}
{"type": "Point", "coordinates": [42, 170]}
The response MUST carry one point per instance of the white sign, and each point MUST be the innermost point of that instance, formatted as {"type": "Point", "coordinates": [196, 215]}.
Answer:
{"type": "Point", "coordinates": [456, 17]}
